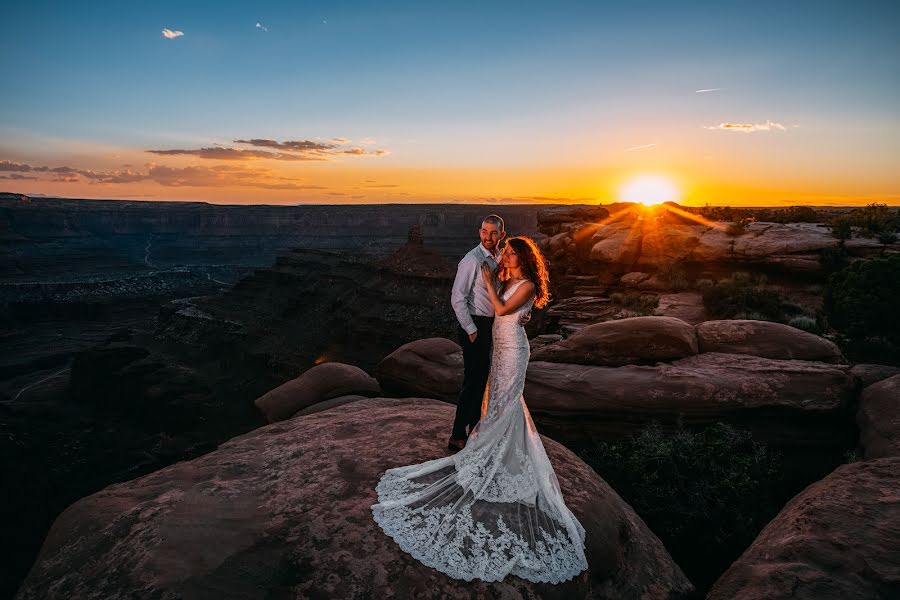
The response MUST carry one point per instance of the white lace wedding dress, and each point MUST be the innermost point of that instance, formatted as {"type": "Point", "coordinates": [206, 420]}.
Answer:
{"type": "Point", "coordinates": [495, 507]}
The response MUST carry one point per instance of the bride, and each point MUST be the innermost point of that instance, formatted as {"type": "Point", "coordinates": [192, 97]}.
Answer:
{"type": "Point", "coordinates": [495, 507]}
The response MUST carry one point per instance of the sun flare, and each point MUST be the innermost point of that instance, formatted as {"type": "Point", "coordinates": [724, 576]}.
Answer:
{"type": "Point", "coordinates": [649, 190]}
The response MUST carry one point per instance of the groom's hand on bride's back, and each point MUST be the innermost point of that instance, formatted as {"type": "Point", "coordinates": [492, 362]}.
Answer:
{"type": "Point", "coordinates": [523, 320]}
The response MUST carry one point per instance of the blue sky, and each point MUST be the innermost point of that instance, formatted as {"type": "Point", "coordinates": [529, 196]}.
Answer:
{"type": "Point", "coordinates": [494, 85]}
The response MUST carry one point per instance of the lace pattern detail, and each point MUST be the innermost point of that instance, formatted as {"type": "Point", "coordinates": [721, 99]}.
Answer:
{"type": "Point", "coordinates": [494, 508]}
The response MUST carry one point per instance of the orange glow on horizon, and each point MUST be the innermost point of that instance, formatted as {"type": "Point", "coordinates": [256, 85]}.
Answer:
{"type": "Point", "coordinates": [269, 182]}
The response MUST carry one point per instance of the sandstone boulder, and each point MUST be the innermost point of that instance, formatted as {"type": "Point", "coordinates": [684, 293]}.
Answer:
{"type": "Point", "coordinates": [626, 341]}
{"type": "Point", "coordinates": [284, 512]}
{"type": "Point", "coordinates": [766, 339]}
{"type": "Point", "coordinates": [322, 382]}
{"type": "Point", "coordinates": [634, 278]}
{"type": "Point", "coordinates": [329, 404]}
{"type": "Point", "coordinates": [785, 403]}
{"type": "Point", "coordinates": [869, 374]}
{"type": "Point", "coordinates": [431, 368]}
{"type": "Point", "coordinates": [687, 306]}
{"type": "Point", "coordinates": [879, 418]}
{"type": "Point", "coordinates": [836, 539]}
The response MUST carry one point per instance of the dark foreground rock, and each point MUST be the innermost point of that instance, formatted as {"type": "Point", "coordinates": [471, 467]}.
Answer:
{"type": "Point", "coordinates": [284, 512]}
{"type": "Point", "coordinates": [879, 418]}
{"type": "Point", "coordinates": [836, 539]}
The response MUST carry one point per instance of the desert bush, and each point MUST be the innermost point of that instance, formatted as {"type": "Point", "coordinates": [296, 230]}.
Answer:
{"type": "Point", "coordinates": [739, 227]}
{"type": "Point", "coordinates": [861, 303]}
{"type": "Point", "coordinates": [805, 323]}
{"type": "Point", "coordinates": [792, 214]}
{"type": "Point", "coordinates": [861, 300]}
{"type": "Point", "coordinates": [751, 316]}
{"type": "Point", "coordinates": [675, 275]}
{"type": "Point", "coordinates": [705, 494]}
{"type": "Point", "coordinates": [742, 293]}
{"type": "Point", "coordinates": [635, 302]}
{"type": "Point", "coordinates": [834, 259]}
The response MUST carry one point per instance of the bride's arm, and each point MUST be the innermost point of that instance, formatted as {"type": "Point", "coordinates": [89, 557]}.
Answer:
{"type": "Point", "coordinates": [514, 302]}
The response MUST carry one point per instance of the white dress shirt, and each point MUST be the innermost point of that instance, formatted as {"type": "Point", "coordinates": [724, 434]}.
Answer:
{"type": "Point", "coordinates": [470, 295]}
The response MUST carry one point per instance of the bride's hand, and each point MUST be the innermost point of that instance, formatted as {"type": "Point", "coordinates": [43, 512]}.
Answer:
{"type": "Point", "coordinates": [487, 273]}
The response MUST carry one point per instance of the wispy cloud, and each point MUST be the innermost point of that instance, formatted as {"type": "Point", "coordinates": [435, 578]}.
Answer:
{"type": "Point", "coordinates": [7, 165]}
{"type": "Point", "coordinates": [747, 127]}
{"type": "Point", "coordinates": [708, 90]}
{"type": "Point", "coordinates": [290, 150]}
{"type": "Point", "coordinates": [193, 176]}
{"type": "Point", "coordinates": [261, 26]}
{"type": "Point", "coordinates": [234, 154]}
{"type": "Point", "coordinates": [640, 147]}
{"type": "Point", "coordinates": [291, 145]}
{"type": "Point", "coordinates": [169, 34]}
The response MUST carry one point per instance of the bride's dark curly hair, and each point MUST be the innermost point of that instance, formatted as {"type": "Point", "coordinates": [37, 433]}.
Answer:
{"type": "Point", "coordinates": [534, 268]}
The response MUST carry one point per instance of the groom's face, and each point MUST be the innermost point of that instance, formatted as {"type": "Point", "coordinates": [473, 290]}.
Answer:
{"type": "Point", "coordinates": [490, 235]}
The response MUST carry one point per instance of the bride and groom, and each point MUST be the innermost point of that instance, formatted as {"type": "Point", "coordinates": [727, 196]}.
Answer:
{"type": "Point", "coordinates": [493, 507]}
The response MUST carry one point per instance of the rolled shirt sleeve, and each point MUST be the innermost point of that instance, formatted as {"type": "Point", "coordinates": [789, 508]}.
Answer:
{"type": "Point", "coordinates": [462, 287]}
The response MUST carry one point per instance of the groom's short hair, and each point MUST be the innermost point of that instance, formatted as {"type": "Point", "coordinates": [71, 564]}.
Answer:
{"type": "Point", "coordinates": [496, 220]}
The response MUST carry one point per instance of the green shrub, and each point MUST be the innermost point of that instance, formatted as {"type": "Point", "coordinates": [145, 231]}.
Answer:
{"type": "Point", "coordinates": [750, 316]}
{"type": "Point", "coordinates": [636, 302]}
{"type": "Point", "coordinates": [806, 324]}
{"type": "Point", "coordinates": [842, 229]}
{"type": "Point", "coordinates": [706, 495]}
{"type": "Point", "coordinates": [675, 275]}
{"type": "Point", "coordinates": [834, 259]}
{"type": "Point", "coordinates": [739, 227]}
{"type": "Point", "coordinates": [742, 293]}
{"type": "Point", "coordinates": [861, 303]}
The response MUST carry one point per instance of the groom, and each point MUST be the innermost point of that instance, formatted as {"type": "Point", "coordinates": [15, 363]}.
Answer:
{"type": "Point", "coordinates": [475, 314]}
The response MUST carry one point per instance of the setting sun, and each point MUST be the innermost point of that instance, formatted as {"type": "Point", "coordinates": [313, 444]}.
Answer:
{"type": "Point", "coordinates": [649, 190]}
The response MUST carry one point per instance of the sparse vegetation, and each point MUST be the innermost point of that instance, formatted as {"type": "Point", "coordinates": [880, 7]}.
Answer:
{"type": "Point", "coordinates": [841, 229]}
{"type": "Point", "coordinates": [871, 221]}
{"type": "Point", "coordinates": [791, 214]}
{"type": "Point", "coordinates": [675, 275]}
{"type": "Point", "coordinates": [705, 494]}
{"type": "Point", "coordinates": [739, 227]}
{"type": "Point", "coordinates": [834, 259]}
{"type": "Point", "coordinates": [640, 304]}
{"type": "Point", "coordinates": [742, 294]}
{"type": "Point", "coordinates": [861, 303]}
{"type": "Point", "coordinates": [806, 323]}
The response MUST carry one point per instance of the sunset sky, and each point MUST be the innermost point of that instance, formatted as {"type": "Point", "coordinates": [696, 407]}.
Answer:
{"type": "Point", "coordinates": [740, 103]}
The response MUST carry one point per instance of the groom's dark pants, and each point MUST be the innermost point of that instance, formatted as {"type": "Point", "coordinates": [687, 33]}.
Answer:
{"type": "Point", "coordinates": [477, 365]}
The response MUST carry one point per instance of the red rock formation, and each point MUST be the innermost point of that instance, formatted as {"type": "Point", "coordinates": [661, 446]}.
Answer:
{"type": "Point", "coordinates": [322, 382]}
{"type": "Point", "coordinates": [879, 418]}
{"type": "Point", "coordinates": [430, 368]}
{"type": "Point", "coordinates": [836, 539]}
{"type": "Point", "coordinates": [637, 340]}
{"type": "Point", "coordinates": [766, 339]}
{"type": "Point", "coordinates": [284, 511]}
{"type": "Point", "coordinates": [786, 403]}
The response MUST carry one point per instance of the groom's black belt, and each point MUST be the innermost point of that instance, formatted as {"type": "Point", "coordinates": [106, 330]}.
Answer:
{"type": "Point", "coordinates": [482, 317]}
